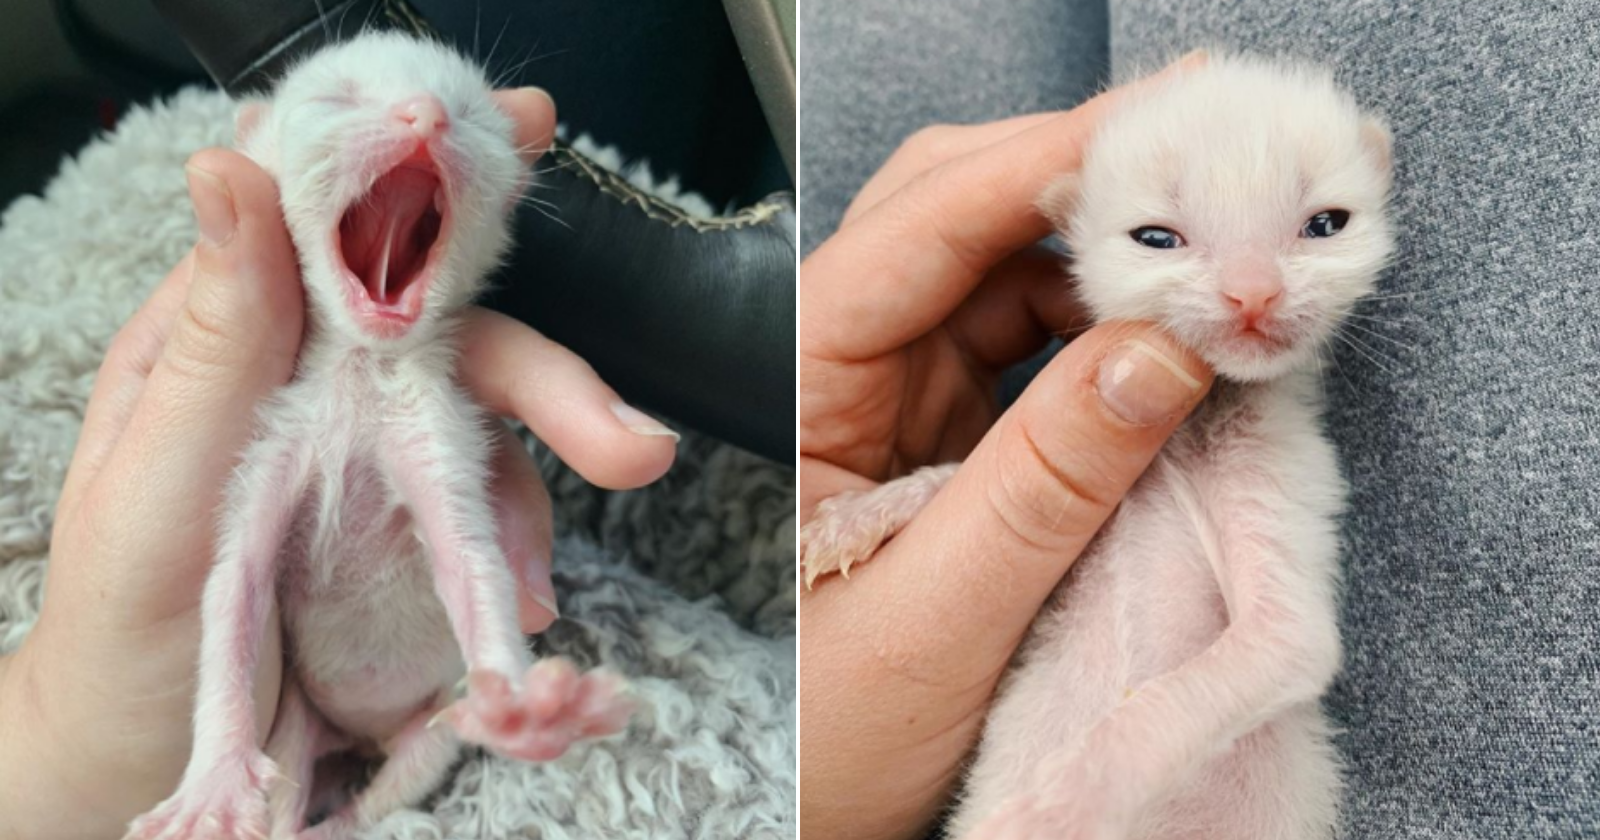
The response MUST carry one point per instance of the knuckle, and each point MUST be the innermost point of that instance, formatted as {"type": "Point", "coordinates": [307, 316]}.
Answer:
{"type": "Point", "coordinates": [203, 346]}
{"type": "Point", "coordinates": [1048, 502]}
{"type": "Point", "coordinates": [959, 241]}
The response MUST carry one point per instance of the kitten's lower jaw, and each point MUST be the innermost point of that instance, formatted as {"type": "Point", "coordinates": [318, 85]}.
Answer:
{"type": "Point", "coordinates": [388, 243]}
{"type": "Point", "coordinates": [1251, 356]}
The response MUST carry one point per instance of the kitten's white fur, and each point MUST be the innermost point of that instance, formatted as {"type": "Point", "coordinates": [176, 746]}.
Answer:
{"type": "Point", "coordinates": [361, 510]}
{"type": "Point", "coordinates": [1170, 688]}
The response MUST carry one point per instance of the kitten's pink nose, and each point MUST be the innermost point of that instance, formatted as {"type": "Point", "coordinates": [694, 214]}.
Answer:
{"type": "Point", "coordinates": [425, 114]}
{"type": "Point", "coordinates": [1253, 291]}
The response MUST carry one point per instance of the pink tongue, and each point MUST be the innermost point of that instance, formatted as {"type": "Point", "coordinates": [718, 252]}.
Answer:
{"type": "Point", "coordinates": [385, 236]}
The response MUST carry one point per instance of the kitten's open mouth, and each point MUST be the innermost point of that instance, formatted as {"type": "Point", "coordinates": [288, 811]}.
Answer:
{"type": "Point", "coordinates": [387, 242]}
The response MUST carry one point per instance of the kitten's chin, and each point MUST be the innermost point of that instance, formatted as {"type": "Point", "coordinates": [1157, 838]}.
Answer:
{"type": "Point", "coordinates": [1247, 359]}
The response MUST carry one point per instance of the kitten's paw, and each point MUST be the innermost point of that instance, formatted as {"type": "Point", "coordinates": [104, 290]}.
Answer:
{"type": "Point", "coordinates": [227, 804]}
{"type": "Point", "coordinates": [540, 719]}
{"type": "Point", "coordinates": [844, 531]}
{"type": "Point", "coordinates": [849, 528]}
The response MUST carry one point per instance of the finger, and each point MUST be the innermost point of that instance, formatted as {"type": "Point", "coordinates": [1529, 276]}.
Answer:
{"type": "Point", "coordinates": [906, 264]}
{"type": "Point", "coordinates": [932, 146]}
{"type": "Point", "coordinates": [534, 113]}
{"type": "Point", "coordinates": [234, 341]}
{"type": "Point", "coordinates": [526, 532]}
{"type": "Point", "coordinates": [117, 385]}
{"type": "Point", "coordinates": [513, 370]}
{"type": "Point", "coordinates": [992, 546]}
{"type": "Point", "coordinates": [1013, 314]}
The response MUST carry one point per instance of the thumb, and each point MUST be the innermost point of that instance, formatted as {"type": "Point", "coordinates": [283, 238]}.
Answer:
{"type": "Point", "coordinates": [991, 547]}
{"type": "Point", "coordinates": [233, 341]}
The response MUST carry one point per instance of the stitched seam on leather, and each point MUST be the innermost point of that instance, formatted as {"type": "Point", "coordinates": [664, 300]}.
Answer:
{"type": "Point", "coordinates": [618, 187]}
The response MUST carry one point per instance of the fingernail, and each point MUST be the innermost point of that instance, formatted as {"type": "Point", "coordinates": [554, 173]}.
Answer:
{"type": "Point", "coordinates": [640, 423]}
{"type": "Point", "coordinates": [1142, 386]}
{"type": "Point", "coordinates": [546, 601]}
{"type": "Point", "coordinates": [213, 206]}
{"type": "Point", "coordinates": [540, 589]}
{"type": "Point", "coordinates": [539, 91]}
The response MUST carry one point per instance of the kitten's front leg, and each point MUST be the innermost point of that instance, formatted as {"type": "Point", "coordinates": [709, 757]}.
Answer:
{"type": "Point", "coordinates": [438, 461]}
{"type": "Point", "coordinates": [849, 528]}
{"type": "Point", "coordinates": [223, 793]}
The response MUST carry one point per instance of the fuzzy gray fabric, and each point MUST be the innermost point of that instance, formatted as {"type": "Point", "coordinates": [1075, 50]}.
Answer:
{"type": "Point", "coordinates": [877, 70]}
{"type": "Point", "coordinates": [687, 587]}
{"type": "Point", "coordinates": [1468, 424]}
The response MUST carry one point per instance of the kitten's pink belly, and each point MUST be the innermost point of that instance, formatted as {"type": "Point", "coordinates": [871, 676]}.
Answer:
{"type": "Point", "coordinates": [369, 638]}
{"type": "Point", "coordinates": [1143, 601]}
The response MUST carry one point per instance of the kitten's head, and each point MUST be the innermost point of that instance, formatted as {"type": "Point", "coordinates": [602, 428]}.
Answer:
{"type": "Point", "coordinates": [397, 171]}
{"type": "Point", "coordinates": [1239, 204]}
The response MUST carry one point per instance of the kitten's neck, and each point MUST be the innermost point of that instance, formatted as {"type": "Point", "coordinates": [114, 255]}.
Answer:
{"type": "Point", "coordinates": [331, 350]}
{"type": "Point", "coordinates": [1303, 384]}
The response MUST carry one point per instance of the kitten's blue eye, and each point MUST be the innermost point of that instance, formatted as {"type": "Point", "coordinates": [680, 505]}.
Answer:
{"type": "Point", "coordinates": [1157, 237]}
{"type": "Point", "coordinates": [1325, 224]}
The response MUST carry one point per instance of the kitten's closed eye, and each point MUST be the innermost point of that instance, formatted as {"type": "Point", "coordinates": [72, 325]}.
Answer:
{"type": "Point", "coordinates": [1157, 237]}
{"type": "Point", "coordinates": [1325, 224]}
{"type": "Point", "coordinates": [345, 94]}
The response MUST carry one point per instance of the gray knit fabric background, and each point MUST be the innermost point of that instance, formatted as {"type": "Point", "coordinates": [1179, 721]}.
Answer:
{"type": "Point", "coordinates": [686, 587]}
{"type": "Point", "coordinates": [1469, 428]}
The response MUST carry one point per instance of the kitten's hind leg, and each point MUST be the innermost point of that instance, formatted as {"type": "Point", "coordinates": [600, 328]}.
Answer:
{"type": "Point", "coordinates": [850, 527]}
{"type": "Point", "coordinates": [299, 737]}
{"type": "Point", "coordinates": [415, 763]}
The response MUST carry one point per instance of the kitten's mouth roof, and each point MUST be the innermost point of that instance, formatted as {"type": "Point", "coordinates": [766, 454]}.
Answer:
{"type": "Point", "coordinates": [387, 241]}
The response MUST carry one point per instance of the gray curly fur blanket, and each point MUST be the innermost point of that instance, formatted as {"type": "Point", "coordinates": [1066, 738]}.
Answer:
{"type": "Point", "coordinates": [687, 586]}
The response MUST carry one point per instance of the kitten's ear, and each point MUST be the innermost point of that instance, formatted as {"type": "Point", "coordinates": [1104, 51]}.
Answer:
{"type": "Point", "coordinates": [1060, 200]}
{"type": "Point", "coordinates": [252, 112]}
{"type": "Point", "coordinates": [1378, 142]}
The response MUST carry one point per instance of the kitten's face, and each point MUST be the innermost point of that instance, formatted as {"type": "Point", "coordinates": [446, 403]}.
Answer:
{"type": "Point", "coordinates": [397, 171]}
{"type": "Point", "coordinates": [1241, 206]}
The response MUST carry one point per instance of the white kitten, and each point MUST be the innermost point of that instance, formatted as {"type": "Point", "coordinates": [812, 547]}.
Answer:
{"type": "Point", "coordinates": [361, 510]}
{"type": "Point", "coordinates": [1170, 688]}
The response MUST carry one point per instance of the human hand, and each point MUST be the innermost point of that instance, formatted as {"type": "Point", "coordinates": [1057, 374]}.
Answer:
{"type": "Point", "coordinates": [95, 707]}
{"type": "Point", "coordinates": [931, 288]}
